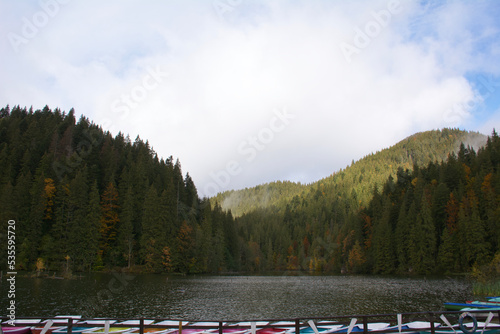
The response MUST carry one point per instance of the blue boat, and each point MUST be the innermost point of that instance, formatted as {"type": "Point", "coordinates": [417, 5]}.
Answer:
{"type": "Point", "coordinates": [461, 306]}
{"type": "Point", "coordinates": [77, 330]}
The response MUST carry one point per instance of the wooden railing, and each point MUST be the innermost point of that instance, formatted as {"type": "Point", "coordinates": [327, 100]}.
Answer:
{"type": "Point", "coordinates": [293, 324]}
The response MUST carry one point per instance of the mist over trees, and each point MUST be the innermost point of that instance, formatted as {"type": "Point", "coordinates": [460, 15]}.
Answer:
{"type": "Point", "coordinates": [84, 200]}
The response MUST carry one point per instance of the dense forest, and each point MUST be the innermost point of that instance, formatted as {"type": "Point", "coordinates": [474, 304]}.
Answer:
{"type": "Point", "coordinates": [443, 217]}
{"type": "Point", "coordinates": [84, 200]}
{"type": "Point", "coordinates": [358, 179]}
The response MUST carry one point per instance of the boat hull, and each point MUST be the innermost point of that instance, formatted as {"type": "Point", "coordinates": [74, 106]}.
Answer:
{"type": "Point", "coordinates": [461, 306]}
{"type": "Point", "coordinates": [15, 330]}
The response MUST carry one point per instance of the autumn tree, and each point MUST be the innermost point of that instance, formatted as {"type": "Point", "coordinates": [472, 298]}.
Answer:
{"type": "Point", "coordinates": [184, 243]}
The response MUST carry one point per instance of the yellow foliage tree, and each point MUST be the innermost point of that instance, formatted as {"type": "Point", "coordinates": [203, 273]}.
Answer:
{"type": "Point", "coordinates": [49, 193]}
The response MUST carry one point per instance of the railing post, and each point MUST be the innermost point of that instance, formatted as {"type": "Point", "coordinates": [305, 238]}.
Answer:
{"type": "Point", "coordinates": [431, 320]}
{"type": "Point", "coordinates": [70, 325]}
{"type": "Point", "coordinates": [141, 325]}
{"type": "Point", "coordinates": [220, 327]}
{"type": "Point", "coordinates": [180, 326]}
{"type": "Point", "coordinates": [297, 326]}
{"type": "Point", "coordinates": [365, 324]}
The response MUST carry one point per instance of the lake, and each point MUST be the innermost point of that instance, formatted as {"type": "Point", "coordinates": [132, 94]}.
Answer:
{"type": "Point", "coordinates": [231, 297]}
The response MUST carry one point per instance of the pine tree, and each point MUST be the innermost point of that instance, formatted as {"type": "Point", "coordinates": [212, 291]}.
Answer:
{"type": "Point", "coordinates": [383, 242]}
{"type": "Point", "coordinates": [29, 249]}
{"type": "Point", "coordinates": [92, 234]}
{"type": "Point", "coordinates": [152, 239]}
{"type": "Point", "coordinates": [78, 206]}
{"type": "Point", "coordinates": [472, 236]}
{"type": "Point", "coordinates": [401, 238]}
{"type": "Point", "coordinates": [204, 242]}
{"type": "Point", "coordinates": [126, 237]}
{"type": "Point", "coordinates": [57, 247]}
{"type": "Point", "coordinates": [427, 240]}
{"type": "Point", "coordinates": [109, 222]}
{"type": "Point", "coordinates": [447, 257]}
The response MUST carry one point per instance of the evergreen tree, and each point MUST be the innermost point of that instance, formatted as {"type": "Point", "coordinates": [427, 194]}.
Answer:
{"type": "Point", "coordinates": [447, 257]}
{"type": "Point", "coordinates": [427, 239]}
{"type": "Point", "coordinates": [152, 239]}
{"type": "Point", "coordinates": [92, 235]}
{"type": "Point", "coordinates": [126, 237]}
{"type": "Point", "coordinates": [30, 246]}
{"type": "Point", "coordinates": [109, 221]}
{"type": "Point", "coordinates": [78, 207]}
{"type": "Point", "coordinates": [383, 242]}
{"type": "Point", "coordinates": [61, 227]}
{"type": "Point", "coordinates": [401, 237]}
{"type": "Point", "coordinates": [472, 236]}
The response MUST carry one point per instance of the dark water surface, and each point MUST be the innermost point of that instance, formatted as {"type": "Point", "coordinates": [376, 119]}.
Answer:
{"type": "Point", "coordinates": [230, 297]}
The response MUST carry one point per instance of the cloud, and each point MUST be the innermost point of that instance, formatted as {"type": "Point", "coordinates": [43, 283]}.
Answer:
{"type": "Point", "coordinates": [228, 67]}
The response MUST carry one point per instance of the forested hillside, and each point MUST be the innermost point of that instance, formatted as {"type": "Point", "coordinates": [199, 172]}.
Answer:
{"type": "Point", "coordinates": [84, 200]}
{"type": "Point", "coordinates": [360, 177]}
{"type": "Point", "coordinates": [443, 217]}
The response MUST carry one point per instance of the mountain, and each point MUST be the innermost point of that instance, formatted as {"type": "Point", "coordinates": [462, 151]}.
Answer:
{"type": "Point", "coordinates": [360, 177]}
{"type": "Point", "coordinates": [83, 200]}
{"type": "Point", "coordinates": [388, 213]}
{"type": "Point", "coordinates": [443, 217]}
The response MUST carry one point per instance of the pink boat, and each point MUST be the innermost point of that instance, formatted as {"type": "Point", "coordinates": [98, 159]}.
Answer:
{"type": "Point", "coordinates": [16, 329]}
{"type": "Point", "coordinates": [272, 330]}
{"type": "Point", "coordinates": [39, 329]}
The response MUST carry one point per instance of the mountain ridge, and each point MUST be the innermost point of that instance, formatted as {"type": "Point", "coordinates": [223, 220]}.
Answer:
{"type": "Point", "coordinates": [419, 148]}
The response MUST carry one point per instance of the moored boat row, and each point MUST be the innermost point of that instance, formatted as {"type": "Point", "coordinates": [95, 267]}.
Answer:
{"type": "Point", "coordinates": [491, 304]}
{"type": "Point", "coordinates": [467, 324]}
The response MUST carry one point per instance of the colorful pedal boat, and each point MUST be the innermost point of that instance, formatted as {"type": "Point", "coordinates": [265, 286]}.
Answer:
{"type": "Point", "coordinates": [114, 330]}
{"type": "Point", "coordinates": [470, 306]}
{"type": "Point", "coordinates": [16, 329]}
{"type": "Point", "coordinates": [19, 325]}
{"type": "Point", "coordinates": [75, 329]}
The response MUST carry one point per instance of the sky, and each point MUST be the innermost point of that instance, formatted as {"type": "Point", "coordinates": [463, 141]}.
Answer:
{"type": "Point", "coordinates": [245, 92]}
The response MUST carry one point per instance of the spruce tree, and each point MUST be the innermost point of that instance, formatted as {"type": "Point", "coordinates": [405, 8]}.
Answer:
{"type": "Point", "coordinates": [383, 242]}
{"type": "Point", "coordinates": [78, 206]}
{"type": "Point", "coordinates": [109, 222]}
{"type": "Point", "coordinates": [126, 237]}
{"type": "Point", "coordinates": [152, 239]}
{"type": "Point", "coordinates": [427, 239]}
{"type": "Point", "coordinates": [92, 234]}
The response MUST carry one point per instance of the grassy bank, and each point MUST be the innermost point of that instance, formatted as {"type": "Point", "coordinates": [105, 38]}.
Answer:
{"type": "Point", "coordinates": [486, 288]}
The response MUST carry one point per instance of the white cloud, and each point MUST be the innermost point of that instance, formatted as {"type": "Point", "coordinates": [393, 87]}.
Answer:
{"type": "Point", "coordinates": [230, 68]}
